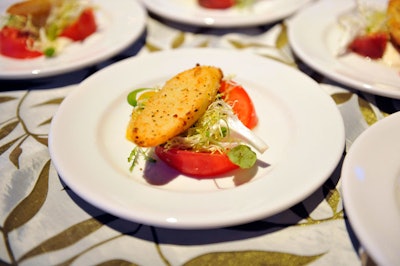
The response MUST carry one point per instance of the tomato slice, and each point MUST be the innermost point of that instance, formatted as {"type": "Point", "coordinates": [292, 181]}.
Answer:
{"type": "Point", "coordinates": [15, 44]}
{"type": "Point", "coordinates": [216, 4]}
{"type": "Point", "coordinates": [83, 27]}
{"type": "Point", "coordinates": [235, 95]}
{"type": "Point", "coordinates": [372, 45]}
{"type": "Point", "coordinates": [198, 164]}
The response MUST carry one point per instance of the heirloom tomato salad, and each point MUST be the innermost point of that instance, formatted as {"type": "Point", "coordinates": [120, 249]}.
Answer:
{"type": "Point", "coordinates": [36, 28]}
{"type": "Point", "coordinates": [198, 123]}
{"type": "Point", "coordinates": [372, 31]}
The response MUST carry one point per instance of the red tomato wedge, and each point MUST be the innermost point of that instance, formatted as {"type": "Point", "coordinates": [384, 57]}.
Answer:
{"type": "Point", "coordinates": [14, 43]}
{"type": "Point", "coordinates": [372, 46]}
{"type": "Point", "coordinates": [198, 164]}
{"type": "Point", "coordinates": [235, 95]}
{"type": "Point", "coordinates": [216, 4]}
{"type": "Point", "coordinates": [83, 27]}
{"type": "Point", "coordinates": [204, 165]}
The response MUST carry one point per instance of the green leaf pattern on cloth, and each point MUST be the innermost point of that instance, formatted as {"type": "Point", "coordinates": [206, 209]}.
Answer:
{"type": "Point", "coordinates": [251, 258]}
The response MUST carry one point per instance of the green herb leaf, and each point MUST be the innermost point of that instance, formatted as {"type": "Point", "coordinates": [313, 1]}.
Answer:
{"type": "Point", "coordinates": [52, 31]}
{"type": "Point", "coordinates": [244, 3]}
{"type": "Point", "coordinates": [376, 22]}
{"type": "Point", "coordinates": [49, 52]}
{"type": "Point", "coordinates": [242, 156]}
{"type": "Point", "coordinates": [132, 96]}
{"type": "Point", "coordinates": [137, 152]}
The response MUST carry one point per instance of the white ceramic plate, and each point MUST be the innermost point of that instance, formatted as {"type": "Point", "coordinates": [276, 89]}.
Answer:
{"type": "Point", "coordinates": [189, 12]}
{"type": "Point", "coordinates": [297, 119]}
{"type": "Point", "coordinates": [371, 189]}
{"type": "Point", "coordinates": [120, 24]}
{"type": "Point", "coordinates": [314, 34]}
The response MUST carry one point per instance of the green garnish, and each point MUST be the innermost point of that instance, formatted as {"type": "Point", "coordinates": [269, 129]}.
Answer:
{"type": "Point", "coordinates": [210, 133]}
{"type": "Point", "coordinates": [49, 52]}
{"type": "Point", "coordinates": [132, 97]}
{"type": "Point", "coordinates": [243, 3]}
{"type": "Point", "coordinates": [52, 31]}
{"type": "Point", "coordinates": [242, 156]}
{"type": "Point", "coordinates": [376, 22]}
{"type": "Point", "coordinates": [136, 153]}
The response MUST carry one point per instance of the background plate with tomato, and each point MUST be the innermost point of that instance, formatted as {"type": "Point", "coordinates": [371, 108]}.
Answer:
{"type": "Point", "coordinates": [120, 23]}
{"type": "Point", "coordinates": [190, 12]}
{"type": "Point", "coordinates": [318, 48]}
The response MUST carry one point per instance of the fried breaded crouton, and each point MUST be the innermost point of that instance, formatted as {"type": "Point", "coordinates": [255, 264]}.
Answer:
{"type": "Point", "coordinates": [177, 106]}
{"type": "Point", "coordinates": [39, 10]}
{"type": "Point", "coordinates": [393, 12]}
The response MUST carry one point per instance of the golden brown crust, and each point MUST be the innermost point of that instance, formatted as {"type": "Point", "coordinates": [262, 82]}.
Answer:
{"type": "Point", "coordinates": [393, 12]}
{"type": "Point", "coordinates": [177, 106]}
{"type": "Point", "coordinates": [38, 9]}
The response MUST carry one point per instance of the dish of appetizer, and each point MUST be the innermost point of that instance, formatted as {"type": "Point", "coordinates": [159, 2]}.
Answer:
{"type": "Point", "coordinates": [351, 40]}
{"type": "Point", "coordinates": [197, 123]}
{"type": "Point", "coordinates": [224, 14]}
{"type": "Point", "coordinates": [37, 28]}
{"type": "Point", "coordinates": [372, 30]}
{"type": "Point", "coordinates": [46, 37]}
{"type": "Point", "coordinates": [132, 147]}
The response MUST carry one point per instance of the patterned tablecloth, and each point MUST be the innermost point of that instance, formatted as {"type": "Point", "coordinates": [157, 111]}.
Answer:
{"type": "Point", "coordinates": [43, 222]}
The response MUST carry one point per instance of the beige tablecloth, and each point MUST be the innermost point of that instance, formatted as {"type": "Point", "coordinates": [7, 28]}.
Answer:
{"type": "Point", "coordinates": [44, 223]}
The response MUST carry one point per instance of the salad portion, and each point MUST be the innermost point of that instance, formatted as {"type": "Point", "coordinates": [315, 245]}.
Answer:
{"type": "Point", "coordinates": [35, 28]}
{"type": "Point", "coordinates": [372, 31]}
{"type": "Point", "coordinates": [198, 123]}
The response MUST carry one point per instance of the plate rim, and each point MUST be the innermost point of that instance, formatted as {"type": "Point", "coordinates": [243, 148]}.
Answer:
{"type": "Point", "coordinates": [220, 22]}
{"type": "Point", "coordinates": [368, 237]}
{"type": "Point", "coordinates": [43, 71]}
{"type": "Point", "coordinates": [212, 221]}
{"type": "Point", "coordinates": [322, 67]}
